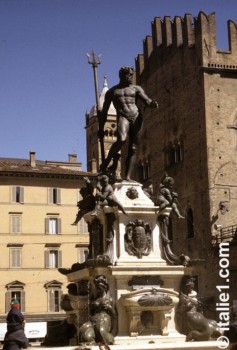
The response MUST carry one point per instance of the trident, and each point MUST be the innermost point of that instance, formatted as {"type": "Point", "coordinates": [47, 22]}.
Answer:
{"type": "Point", "coordinates": [95, 61]}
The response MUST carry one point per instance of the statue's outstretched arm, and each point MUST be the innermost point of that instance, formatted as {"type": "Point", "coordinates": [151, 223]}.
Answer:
{"type": "Point", "coordinates": [147, 100]}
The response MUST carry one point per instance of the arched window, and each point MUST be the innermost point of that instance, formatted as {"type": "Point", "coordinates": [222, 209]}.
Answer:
{"type": "Point", "coordinates": [178, 152]}
{"type": "Point", "coordinates": [174, 152]}
{"type": "Point", "coordinates": [181, 150]}
{"type": "Point", "coordinates": [190, 226]}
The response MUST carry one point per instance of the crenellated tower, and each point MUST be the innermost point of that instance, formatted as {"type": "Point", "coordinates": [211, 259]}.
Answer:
{"type": "Point", "coordinates": [192, 136]}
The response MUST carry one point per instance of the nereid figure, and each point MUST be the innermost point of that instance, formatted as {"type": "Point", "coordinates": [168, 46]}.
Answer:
{"type": "Point", "coordinates": [190, 319]}
{"type": "Point", "coordinates": [103, 321]}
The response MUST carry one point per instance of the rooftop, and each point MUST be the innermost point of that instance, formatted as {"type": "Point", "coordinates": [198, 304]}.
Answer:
{"type": "Point", "coordinates": [17, 166]}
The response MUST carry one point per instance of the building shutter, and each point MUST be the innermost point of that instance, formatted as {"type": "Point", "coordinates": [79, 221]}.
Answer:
{"type": "Point", "coordinates": [15, 258]}
{"type": "Point", "coordinates": [59, 258]}
{"type": "Point", "coordinates": [15, 224]}
{"type": "Point", "coordinates": [18, 257]}
{"type": "Point", "coordinates": [46, 259]}
{"type": "Point", "coordinates": [51, 300]}
{"type": "Point", "coordinates": [7, 301]}
{"type": "Point", "coordinates": [81, 226]}
{"type": "Point", "coordinates": [23, 301]}
{"type": "Point", "coordinates": [58, 196]}
{"type": "Point", "coordinates": [47, 225]}
{"type": "Point", "coordinates": [60, 298]}
{"type": "Point", "coordinates": [21, 194]}
{"type": "Point", "coordinates": [13, 194]}
{"type": "Point", "coordinates": [81, 256]}
{"type": "Point", "coordinates": [50, 195]}
{"type": "Point", "coordinates": [59, 228]}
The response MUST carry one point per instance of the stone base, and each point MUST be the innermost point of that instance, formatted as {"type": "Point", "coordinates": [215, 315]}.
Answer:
{"type": "Point", "coordinates": [147, 343]}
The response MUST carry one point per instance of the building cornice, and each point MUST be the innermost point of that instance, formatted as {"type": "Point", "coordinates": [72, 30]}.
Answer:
{"type": "Point", "coordinates": [45, 176]}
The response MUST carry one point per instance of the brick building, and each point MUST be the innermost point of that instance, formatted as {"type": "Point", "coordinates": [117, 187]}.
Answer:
{"type": "Point", "coordinates": [192, 136]}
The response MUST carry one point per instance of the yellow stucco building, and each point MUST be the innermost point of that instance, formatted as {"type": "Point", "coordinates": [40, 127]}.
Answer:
{"type": "Point", "coordinates": [38, 204]}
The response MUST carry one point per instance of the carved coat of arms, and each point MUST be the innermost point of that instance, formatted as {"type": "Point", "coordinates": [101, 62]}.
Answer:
{"type": "Point", "coordinates": [137, 238]}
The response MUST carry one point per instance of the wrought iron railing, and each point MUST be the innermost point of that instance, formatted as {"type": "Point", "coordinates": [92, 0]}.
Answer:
{"type": "Point", "coordinates": [226, 234]}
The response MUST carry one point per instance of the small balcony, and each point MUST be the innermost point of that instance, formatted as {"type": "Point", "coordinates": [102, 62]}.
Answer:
{"type": "Point", "coordinates": [226, 234]}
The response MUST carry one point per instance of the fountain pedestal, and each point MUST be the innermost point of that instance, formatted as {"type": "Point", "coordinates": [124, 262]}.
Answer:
{"type": "Point", "coordinates": [133, 259]}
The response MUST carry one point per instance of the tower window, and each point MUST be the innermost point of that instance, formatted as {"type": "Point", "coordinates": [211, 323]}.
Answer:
{"type": "Point", "coordinates": [190, 226]}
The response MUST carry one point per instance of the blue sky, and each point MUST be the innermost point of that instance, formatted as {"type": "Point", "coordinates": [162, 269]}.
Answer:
{"type": "Point", "coordinates": [46, 84]}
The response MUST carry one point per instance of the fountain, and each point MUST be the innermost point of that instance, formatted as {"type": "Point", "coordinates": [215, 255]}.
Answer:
{"type": "Point", "coordinates": [128, 290]}
{"type": "Point", "coordinates": [127, 294]}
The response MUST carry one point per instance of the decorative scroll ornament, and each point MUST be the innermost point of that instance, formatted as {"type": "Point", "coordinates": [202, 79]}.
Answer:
{"type": "Point", "coordinates": [155, 299]}
{"type": "Point", "coordinates": [137, 238]}
{"type": "Point", "coordinates": [169, 256]}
